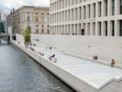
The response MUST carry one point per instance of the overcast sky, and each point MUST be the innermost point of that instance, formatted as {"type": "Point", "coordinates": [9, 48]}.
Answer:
{"type": "Point", "coordinates": [7, 5]}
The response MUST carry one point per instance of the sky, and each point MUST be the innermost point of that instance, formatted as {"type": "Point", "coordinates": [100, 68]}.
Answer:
{"type": "Point", "coordinates": [7, 5]}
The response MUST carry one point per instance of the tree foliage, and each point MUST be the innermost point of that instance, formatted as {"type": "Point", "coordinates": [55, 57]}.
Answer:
{"type": "Point", "coordinates": [27, 35]}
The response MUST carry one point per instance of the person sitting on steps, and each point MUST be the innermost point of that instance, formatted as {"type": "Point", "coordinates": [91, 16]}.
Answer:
{"type": "Point", "coordinates": [113, 62]}
{"type": "Point", "coordinates": [95, 57]}
{"type": "Point", "coordinates": [51, 57]}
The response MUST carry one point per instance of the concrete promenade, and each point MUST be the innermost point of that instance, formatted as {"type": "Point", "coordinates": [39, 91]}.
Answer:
{"type": "Point", "coordinates": [93, 77]}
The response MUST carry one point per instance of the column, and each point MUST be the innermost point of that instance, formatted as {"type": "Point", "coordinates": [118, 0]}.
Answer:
{"type": "Point", "coordinates": [70, 29]}
{"type": "Point", "coordinates": [109, 28]}
{"type": "Point", "coordinates": [109, 7]}
{"type": "Point", "coordinates": [74, 29]}
{"type": "Point", "coordinates": [91, 11]}
{"type": "Point", "coordinates": [117, 5]}
{"type": "Point", "coordinates": [78, 13]}
{"type": "Point", "coordinates": [91, 29]}
{"type": "Point", "coordinates": [78, 30]}
{"type": "Point", "coordinates": [70, 14]}
{"type": "Point", "coordinates": [96, 9]}
{"type": "Point", "coordinates": [74, 14]}
{"type": "Point", "coordinates": [117, 26]}
{"type": "Point", "coordinates": [96, 31]}
{"type": "Point", "coordinates": [102, 28]}
{"type": "Point", "coordinates": [67, 15]}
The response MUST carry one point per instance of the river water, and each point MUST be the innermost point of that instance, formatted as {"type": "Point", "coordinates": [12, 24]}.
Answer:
{"type": "Point", "coordinates": [20, 73]}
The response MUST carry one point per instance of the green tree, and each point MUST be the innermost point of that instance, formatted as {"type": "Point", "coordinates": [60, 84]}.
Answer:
{"type": "Point", "coordinates": [27, 35]}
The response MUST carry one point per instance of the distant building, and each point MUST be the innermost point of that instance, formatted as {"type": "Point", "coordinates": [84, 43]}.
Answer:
{"type": "Point", "coordinates": [86, 17]}
{"type": "Point", "coordinates": [2, 21]}
{"type": "Point", "coordinates": [36, 18]}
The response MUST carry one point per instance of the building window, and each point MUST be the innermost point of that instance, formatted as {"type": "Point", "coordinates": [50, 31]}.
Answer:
{"type": "Point", "coordinates": [36, 31]}
{"type": "Point", "coordinates": [36, 19]}
{"type": "Point", "coordinates": [112, 28]}
{"type": "Point", "coordinates": [36, 25]}
{"type": "Point", "coordinates": [120, 6]}
{"type": "Point", "coordinates": [113, 7]}
{"type": "Point", "coordinates": [100, 9]}
{"type": "Point", "coordinates": [42, 19]}
{"type": "Point", "coordinates": [47, 19]}
{"type": "Point", "coordinates": [99, 28]}
{"type": "Point", "coordinates": [106, 28]}
{"type": "Point", "coordinates": [106, 7]}
{"type": "Point", "coordinates": [28, 19]}
{"type": "Point", "coordinates": [120, 27]}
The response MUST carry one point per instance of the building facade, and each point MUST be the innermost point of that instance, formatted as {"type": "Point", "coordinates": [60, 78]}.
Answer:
{"type": "Point", "coordinates": [3, 16]}
{"type": "Point", "coordinates": [36, 18]}
{"type": "Point", "coordinates": [86, 17]}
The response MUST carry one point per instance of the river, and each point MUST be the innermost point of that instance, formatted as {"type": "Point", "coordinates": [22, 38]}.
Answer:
{"type": "Point", "coordinates": [20, 73]}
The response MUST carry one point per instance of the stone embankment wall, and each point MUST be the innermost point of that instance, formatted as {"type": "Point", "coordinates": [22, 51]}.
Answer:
{"type": "Point", "coordinates": [80, 85]}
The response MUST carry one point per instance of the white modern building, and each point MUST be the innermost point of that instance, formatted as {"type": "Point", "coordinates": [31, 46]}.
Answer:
{"type": "Point", "coordinates": [86, 17]}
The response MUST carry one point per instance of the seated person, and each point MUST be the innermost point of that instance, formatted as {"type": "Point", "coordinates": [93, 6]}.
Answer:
{"type": "Point", "coordinates": [95, 57]}
{"type": "Point", "coordinates": [51, 57]}
{"type": "Point", "coordinates": [113, 62]}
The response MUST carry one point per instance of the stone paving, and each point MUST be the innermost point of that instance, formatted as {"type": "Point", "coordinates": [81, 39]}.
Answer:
{"type": "Point", "coordinates": [94, 73]}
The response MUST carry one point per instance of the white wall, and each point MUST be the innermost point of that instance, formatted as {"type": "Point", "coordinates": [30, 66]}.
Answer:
{"type": "Point", "coordinates": [106, 48]}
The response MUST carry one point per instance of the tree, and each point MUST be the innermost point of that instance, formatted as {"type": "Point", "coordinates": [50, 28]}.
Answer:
{"type": "Point", "coordinates": [27, 35]}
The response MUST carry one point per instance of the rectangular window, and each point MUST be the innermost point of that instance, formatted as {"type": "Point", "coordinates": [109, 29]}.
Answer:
{"type": "Point", "coordinates": [112, 28]}
{"type": "Point", "coordinates": [120, 6]}
{"type": "Point", "coordinates": [94, 10]}
{"type": "Point", "coordinates": [106, 28]}
{"type": "Point", "coordinates": [106, 8]}
{"type": "Point", "coordinates": [113, 7]}
{"type": "Point", "coordinates": [120, 27]}
{"type": "Point", "coordinates": [100, 9]}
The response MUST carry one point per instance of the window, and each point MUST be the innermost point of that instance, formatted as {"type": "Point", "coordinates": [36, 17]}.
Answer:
{"type": "Point", "coordinates": [28, 19]}
{"type": "Point", "coordinates": [36, 19]}
{"type": "Point", "coordinates": [113, 7]}
{"type": "Point", "coordinates": [106, 28]}
{"type": "Point", "coordinates": [120, 6]}
{"type": "Point", "coordinates": [100, 9]}
{"type": "Point", "coordinates": [36, 25]}
{"type": "Point", "coordinates": [106, 7]}
{"type": "Point", "coordinates": [47, 19]}
{"type": "Point", "coordinates": [36, 31]}
{"type": "Point", "coordinates": [112, 28]}
{"type": "Point", "coordinates": [120, 27]}
{"type": "Point", "coordinates": [42, 19]}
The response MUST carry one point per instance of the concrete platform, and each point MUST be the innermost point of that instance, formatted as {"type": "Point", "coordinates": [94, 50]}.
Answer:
{"type": "Point", "coordinates": [82, 75]}
{"type": "Point", "coordinates": [94, 73]}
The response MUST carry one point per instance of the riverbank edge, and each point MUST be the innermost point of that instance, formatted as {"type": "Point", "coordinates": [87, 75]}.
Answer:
{"type": "Point", "coordinates": [66, 76]}
{"type": "Point", "coordinates": [70, 79]}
